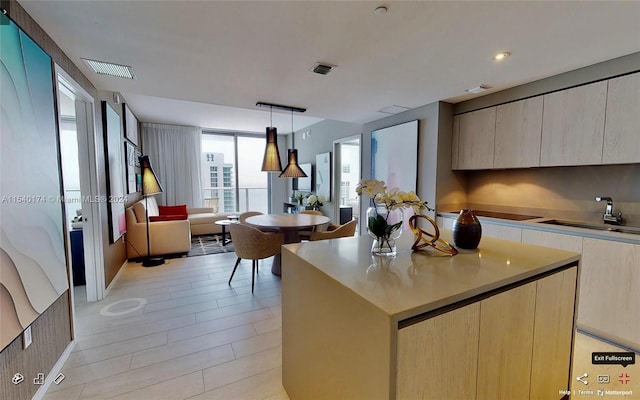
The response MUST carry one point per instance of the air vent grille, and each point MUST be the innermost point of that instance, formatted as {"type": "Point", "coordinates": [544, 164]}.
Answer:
{"type": "Point", "coordinates": [322, 69]}
{"type": "Point", "coordinates": [107, 68]}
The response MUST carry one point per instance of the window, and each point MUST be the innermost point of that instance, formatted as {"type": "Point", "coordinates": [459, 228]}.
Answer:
{"type": "Point", "coordinates": [213, 175]}
{"type": "Point", "coordinates": [345, 191]}
{"type": "Point", "coordinates": [231, 171]}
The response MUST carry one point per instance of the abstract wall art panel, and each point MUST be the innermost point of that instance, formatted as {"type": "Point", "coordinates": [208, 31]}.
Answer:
{"type": "Point", "coordinates": [394, 155]}
{"type": "Point", "coordinates": [33, 272]}
{"type": "Point", "coordinates": [115, 170]}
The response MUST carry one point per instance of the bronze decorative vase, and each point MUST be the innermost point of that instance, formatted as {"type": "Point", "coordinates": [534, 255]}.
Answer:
{"type": "Point", "coordinates": [467, 230]}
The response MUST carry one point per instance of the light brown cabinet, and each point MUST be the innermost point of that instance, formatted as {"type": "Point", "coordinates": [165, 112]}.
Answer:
{"type": "Point", "coordinates": [476, 139]}
{"type": "Point", "coordinates": [518, 134]}
{"type": "Point", "coordinates": [455, 142]}
{"type": "Point", "coordinates": [593, 124]}
{"type": "Point", "coordinates": [526, 330]}
{"type": "Point", "coordinates": [573, 126]}
{"type": "Point", "coordinates": [429, 349]}
{"type": "Point", "coordinates": [622, 127]}
{"type": "Point", "coordinates": [609, 298]}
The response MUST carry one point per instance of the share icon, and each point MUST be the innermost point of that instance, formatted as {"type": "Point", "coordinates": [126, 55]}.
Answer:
{"type": "Point", "coordinates": [583, 378]}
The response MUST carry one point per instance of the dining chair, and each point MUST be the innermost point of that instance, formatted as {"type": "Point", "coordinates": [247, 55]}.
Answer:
{"type": "Point", "coordinates": [247, 214]}
{"type": "Point", "coordinates": [312, 212]}
{"type": "Point", "coordinates": [252, 244]}
{"type": "Point", "coordinates": [335, 231]}
{"type": "Point", "coordinates": [305, 234]}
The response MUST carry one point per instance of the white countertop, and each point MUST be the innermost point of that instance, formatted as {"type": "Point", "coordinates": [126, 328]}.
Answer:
{"type": "Point", "coordinates": [413, 283]}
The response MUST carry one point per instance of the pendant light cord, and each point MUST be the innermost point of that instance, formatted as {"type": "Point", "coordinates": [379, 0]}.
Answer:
{"type": "Point", "coordinates": [293, 135]}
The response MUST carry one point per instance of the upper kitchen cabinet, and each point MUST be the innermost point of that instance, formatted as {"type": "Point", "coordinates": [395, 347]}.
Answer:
{"type": "Point", "coordinates": [573, 126]}
{"type": "Point", "coordinates": [476, 139]}
{"type": "Point", "coordinates": [622, 127]}
{"type": "Point", "coordinates": [455, 142]}
{"type": "Point", "coordinates": [518, 134]}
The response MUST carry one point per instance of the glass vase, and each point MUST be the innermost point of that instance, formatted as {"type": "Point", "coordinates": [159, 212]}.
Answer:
{"type": "Point", "coordinates": [384, 226]}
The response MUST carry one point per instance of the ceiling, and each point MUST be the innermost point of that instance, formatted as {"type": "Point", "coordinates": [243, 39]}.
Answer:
{"type": "Point", "coordinates": [207, 63]}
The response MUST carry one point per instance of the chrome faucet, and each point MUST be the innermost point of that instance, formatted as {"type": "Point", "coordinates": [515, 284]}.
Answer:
{"type": "Point", "coordinates": [608, 216]}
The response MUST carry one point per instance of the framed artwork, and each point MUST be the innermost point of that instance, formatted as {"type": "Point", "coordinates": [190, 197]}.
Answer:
{"type": "Point", "coordinates": [130, 124]}
{"type": "Point", "coordinates": [394, 155]}
{"type": "Point", "coordinates": [116, 178]}
{"type": "Point", "coordinates": [132, 154]}
{"type": "Point", "coordinates": [33, 268]}
{"type": "Point", "coordinates": [323, 175]}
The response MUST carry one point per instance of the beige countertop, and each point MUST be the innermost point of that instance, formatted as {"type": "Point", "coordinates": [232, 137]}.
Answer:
{"type": "Point", "coordinates": [536, 224]}
{"type": "Point", "coordinates": [413, 283]}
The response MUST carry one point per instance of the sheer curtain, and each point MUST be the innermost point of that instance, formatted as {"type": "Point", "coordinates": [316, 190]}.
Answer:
{"type": "Point", "coordinates": [175, 152]}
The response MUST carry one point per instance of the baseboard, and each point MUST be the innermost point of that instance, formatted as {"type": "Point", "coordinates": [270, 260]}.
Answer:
{"type": "Point", "coordinates": [54, 371]}
{"type": "Point", "coordinates": [115, 278]}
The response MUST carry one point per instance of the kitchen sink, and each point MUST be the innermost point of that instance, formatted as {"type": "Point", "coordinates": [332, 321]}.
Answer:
{"type": "Point", "coordinates": [599, 227]}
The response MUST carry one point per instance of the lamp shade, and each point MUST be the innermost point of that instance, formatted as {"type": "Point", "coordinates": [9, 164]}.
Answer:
{"type": "Point", "coordinates": [150, 184]}
{"type": "Point", "coordinates": [271, 160]}
{"type": "Point", "coordinates": [292, 169]}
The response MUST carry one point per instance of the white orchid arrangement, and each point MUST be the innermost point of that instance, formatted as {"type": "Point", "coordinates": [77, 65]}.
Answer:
{"type": "Point", "coordinates": [315, 201]}
{"type": "Point", "coordinates": [379, 225]}
{"type": "Point", "coordinates": [392, 199]}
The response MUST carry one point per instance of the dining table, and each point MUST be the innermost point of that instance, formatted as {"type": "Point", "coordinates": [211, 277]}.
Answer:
{"type": "Point", "coordinates": [289, 225]}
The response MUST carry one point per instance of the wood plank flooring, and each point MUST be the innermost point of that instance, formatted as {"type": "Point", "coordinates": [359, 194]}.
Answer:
{"type": "Point", "coordinates": [195, 337]}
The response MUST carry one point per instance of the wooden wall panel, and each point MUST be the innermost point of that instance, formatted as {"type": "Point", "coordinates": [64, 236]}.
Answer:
{"type": "Point", "coordinates": [51, 334]}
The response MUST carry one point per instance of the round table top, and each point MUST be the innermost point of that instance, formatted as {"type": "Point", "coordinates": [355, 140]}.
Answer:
{"type": "Point", "coordinates": [226, 221]}
{"type": "Point", "coordinates": [287, 221]}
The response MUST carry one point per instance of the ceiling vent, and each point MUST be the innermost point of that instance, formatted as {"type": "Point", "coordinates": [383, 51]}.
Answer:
{"type": "Point", "coordinates": [394, 109]}
{"type": "Point", "coordinates": [110, 69]}
{"type": "Point", "coordinates": [322, 69]}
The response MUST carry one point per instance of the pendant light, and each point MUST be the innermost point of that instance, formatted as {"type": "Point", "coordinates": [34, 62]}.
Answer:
{"type": "Point", "coordinates": [293, 170]}
{"type": "Point", "coordinates": [271, 160]}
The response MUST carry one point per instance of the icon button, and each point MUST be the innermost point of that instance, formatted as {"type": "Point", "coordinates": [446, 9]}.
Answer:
{"type": "Point", "coordinates": [17, 378]}
{"type": "Point", "coordinates": [39, 379]}
{"type": "Point", "coordinates": [58, 379]}
{"type": "Point", "coordinates": [604, 379]}
{"type": "Point", "coordinates": [583, 378]}
{"type": "Point", "coordinates": [624, 378]}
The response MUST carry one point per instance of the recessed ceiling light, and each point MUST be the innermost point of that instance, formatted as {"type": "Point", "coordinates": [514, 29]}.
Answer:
{"type": "Point", "coordinates": [479, 89]}
{"type": "Point", "coordinates": [107, 68]}
{"type": "Point", "coordinates": [501, 56]}
{"type": "Point", "coordinates": [380, 10]}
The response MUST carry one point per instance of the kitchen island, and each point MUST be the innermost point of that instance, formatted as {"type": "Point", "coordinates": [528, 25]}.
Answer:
{"type": "Point", "coordinates": [495, 322]}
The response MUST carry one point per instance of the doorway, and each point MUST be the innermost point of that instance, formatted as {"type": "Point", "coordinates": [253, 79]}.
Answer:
{"type": "Point", "coordinates": [78, 158]}
{"type": "Point", "coordinates": [347, 167]}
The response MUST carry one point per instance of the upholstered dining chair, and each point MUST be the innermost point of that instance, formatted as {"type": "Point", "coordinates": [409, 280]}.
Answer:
{"type": "Point", "coordinates": [247, 214]}
{"type": "Point", "coordinates": [335, 231]}
{"type": "Point", "coordinates": [252, 244]}
{"type": "Point", "coordinates": [305, 234]}
{"type": "Point", "coordinates": [312, 212]}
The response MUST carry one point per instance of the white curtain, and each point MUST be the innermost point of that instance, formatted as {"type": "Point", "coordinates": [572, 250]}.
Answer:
{"type": "Point", "coordinates": [175, 153]}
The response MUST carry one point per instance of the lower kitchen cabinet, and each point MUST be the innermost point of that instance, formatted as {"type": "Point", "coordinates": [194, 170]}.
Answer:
{"type": "Point", "coordinates": [609, 302]}
{"type": "Point", "coordinates": [429, 355]}
{"type": "Point", "coordinates": [526, 330]}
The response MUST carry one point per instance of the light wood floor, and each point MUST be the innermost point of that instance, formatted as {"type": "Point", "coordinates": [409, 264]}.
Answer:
{"type": "Point", "coordinates": [195, 338]}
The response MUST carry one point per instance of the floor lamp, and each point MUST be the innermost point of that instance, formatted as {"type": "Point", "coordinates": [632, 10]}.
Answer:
{"type": "Point", "coordinates": [150, 187]}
